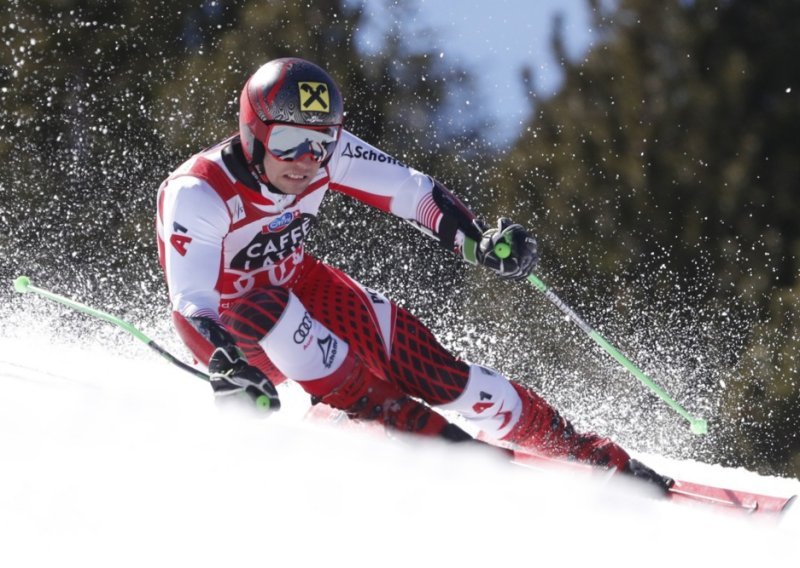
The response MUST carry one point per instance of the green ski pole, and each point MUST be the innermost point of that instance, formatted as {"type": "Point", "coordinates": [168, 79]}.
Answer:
{"type": "Point", "coordinates": [696, 425]}
{"type": "Point", "coordinates": [23, 285]}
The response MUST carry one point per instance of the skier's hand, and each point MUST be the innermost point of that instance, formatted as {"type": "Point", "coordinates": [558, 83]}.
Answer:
{"type": "Point", "coordinates": [231, 375]}
{"type": "Point", "coordinates": [509, 250]}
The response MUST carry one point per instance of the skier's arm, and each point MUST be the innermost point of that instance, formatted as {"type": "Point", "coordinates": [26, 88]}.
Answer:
{"type": "Point", "coordinates": [460, 230]}
{"type": "Point", "coordinates": [228, 370]}
{"type": "Point", "coordinates": [381, 181]}
{"type": "Point", "coordinates": [193, 222]}
{"type": "Point", "coordinates": [374, 177]}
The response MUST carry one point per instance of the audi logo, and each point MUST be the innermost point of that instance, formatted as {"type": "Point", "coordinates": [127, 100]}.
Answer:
{"type": "Point", "coordinates": [302, 331]}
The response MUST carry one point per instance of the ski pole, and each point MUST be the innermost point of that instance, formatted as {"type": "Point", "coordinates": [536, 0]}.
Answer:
{"type": "Point", "coordinates": [23, 285]}
{"type": "Point", "coordinates": [696, 425]}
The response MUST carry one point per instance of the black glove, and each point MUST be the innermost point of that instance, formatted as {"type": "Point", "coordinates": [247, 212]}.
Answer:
{"type": "Point", "coordinates": [508, 250]}
{"type": "Point", "coordinates": [230, 374]}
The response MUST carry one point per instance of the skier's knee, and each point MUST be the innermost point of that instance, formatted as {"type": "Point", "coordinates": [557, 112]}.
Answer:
{"type": "Point", "coordinates": [251, 317]}
{"type": "Point", "coordinates": [352, 388]}
{"type": "Point", "coordinates": [275, 321]}
{"type": "Point", "coordinates": [489, 401]}
{"type": "Point", "coordinates": [362, 395]}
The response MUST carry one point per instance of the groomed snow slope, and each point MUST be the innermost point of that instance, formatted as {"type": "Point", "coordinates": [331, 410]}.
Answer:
{"type": "Point", "coordinates": [112, 461]}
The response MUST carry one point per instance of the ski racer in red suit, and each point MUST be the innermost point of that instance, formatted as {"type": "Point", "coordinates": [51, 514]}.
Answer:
{"type": "Point", "coordinates": [253, 305]}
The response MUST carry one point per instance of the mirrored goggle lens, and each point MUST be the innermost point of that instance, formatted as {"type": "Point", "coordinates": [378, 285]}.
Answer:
{"type": "Point", "coordinates": [293, 142]}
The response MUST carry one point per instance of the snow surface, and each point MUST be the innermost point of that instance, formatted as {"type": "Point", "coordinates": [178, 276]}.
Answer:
{"type": "Point", "coordinates": [107, 460]}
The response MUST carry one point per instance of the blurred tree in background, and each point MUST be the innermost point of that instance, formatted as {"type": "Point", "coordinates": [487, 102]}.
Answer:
{"type": "Point", "coordinates": [672, 149]}
{"type": "Point", "coordinates": [660, 180]}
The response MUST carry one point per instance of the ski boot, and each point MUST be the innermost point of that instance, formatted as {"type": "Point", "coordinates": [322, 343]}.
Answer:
{"type": "Point", "coordinates": [541, 429]}
{"type": "Point", "coordinates": [645, 475]}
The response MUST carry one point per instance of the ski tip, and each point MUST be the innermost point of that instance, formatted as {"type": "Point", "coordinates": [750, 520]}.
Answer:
{"type": "Point", "coordinates": [790, 504]}
{"type": "Point", "coordinates": [21, 284]}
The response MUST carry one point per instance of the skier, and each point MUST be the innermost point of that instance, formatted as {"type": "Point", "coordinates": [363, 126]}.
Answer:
{"type": "Point", "coordinates": [257, 309]}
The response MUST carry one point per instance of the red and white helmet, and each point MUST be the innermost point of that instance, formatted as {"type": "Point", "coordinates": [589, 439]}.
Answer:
{"type": "Point", "coordinates": [286, 91]}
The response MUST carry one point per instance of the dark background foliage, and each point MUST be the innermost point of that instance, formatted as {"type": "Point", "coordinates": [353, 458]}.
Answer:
{"type": "Point", "coordinates": [661, 180]}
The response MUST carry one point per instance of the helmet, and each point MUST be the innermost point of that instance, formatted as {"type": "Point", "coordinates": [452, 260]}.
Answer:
{"type": "Point", "coordinates": [289, 90]}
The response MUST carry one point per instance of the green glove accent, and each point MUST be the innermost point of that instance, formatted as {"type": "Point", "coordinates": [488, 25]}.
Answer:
{"type": "Point", "coordinates": [469, 250]}
{"type": "Point", "coordinates": [502, 250]}
{"type": "Point", "coordinates": [264, 402]}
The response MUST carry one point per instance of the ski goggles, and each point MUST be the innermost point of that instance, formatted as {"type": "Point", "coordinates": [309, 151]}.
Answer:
{"type": "Point", "coordinates": [288, 142]}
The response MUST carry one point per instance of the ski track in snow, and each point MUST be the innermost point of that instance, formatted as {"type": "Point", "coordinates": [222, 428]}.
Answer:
{"type": "Point", "coordinates": [114, 461]}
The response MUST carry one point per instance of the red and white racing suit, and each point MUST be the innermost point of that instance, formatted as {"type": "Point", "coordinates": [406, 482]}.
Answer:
{"type": "Point", "coordinates": [232, 250]}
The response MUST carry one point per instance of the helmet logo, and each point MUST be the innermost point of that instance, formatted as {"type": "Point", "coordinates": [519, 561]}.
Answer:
{"type": "Point", "coordinates": [314, 96]}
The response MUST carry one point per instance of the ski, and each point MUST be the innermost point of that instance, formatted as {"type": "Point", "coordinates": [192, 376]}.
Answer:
{"type": "Point", "coordinates": [730, 499]}
{"type": "Point", "coordinates": [685, 492]}
{"type": "Point", "coordinates": [682, 492]}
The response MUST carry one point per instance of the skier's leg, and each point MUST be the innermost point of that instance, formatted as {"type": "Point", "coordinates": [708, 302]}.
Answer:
{"type": "Point", "coordinates": [501, 409]}
{"type": "Point", "coordinates": [363, 396]}
{"type": "Point", "coordinates": [395, 345]}
{"type": "Point", "coordinates": [391, 342]}
{"type": "Point", "coordinates": [275, 332]}
{"type": "Point", "coordinates": [509, 412]}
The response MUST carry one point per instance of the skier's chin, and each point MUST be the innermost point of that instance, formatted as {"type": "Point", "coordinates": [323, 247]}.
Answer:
{"type": "Point", "coordinates": [292, 185]}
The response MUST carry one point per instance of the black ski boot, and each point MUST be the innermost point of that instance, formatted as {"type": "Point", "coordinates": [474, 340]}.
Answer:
{"type": "Point", "coordinates": [637, 470]}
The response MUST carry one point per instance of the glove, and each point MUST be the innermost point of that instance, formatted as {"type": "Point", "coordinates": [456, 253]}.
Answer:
{"type": "Point", "coordinates": [230, 374]}
{"type": "Point", "coordinates": [508, 250]}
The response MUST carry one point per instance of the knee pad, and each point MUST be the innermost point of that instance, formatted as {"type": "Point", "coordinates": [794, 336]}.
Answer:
{"type": "Point", "coordinates": [489, 402]}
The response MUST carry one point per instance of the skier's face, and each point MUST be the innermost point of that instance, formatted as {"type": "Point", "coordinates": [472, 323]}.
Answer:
{"type": "Point", "coordinates": [291, 177]}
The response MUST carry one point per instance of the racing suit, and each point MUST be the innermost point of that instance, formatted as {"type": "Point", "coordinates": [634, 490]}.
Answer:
{"type": "Point", "coordinates": [232, 249]}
